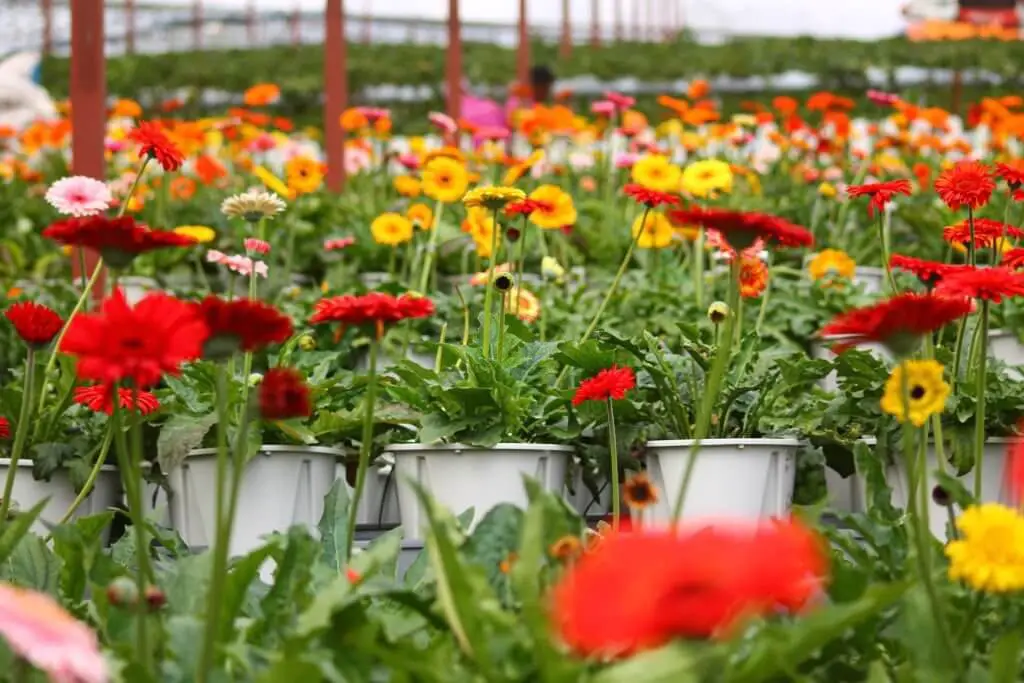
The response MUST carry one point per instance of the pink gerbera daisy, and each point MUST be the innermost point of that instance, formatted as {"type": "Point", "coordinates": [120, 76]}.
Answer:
{"type": "Point", "coordinates": [443, 122]}
{"type": "Point", "coordinates": [79, 196]}
{"type": "Point", "coordinates": [339, 243]}
{"type": "Point", "coordinates": [257, 246]}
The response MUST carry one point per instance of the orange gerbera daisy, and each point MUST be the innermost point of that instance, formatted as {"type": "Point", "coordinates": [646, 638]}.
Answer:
{"type": "Point", "coordinates": [753, 276]}
{"type": "Point", "coordinates": [261, 94]}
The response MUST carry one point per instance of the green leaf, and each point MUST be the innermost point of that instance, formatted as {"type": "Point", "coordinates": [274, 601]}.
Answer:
{"type": "Point", "coordinates": [1006, 658]}
{"type": "Point", "coordinates": [178, 436]}
{"type": "Point", "coordinates": [79, 545]}
{"type": "Point", "coordinates": [33, 565]}
{"type": "Point", "coordinates": [493, 539]}
{"type": "Point", "coordinates": [188, 395]}
{"type": "Point", "coordinates": [381, 556]}
{"type": "Point", "coordinates": [47, 458]}
{"type": "Point", "coordinates": [17, 526]}
{"type": "Point", "coordinates": [671, 664]}
{"type": "Point", "coordinates": [244, 572]}
{"type": "Point", "coordinates": [333, 526]}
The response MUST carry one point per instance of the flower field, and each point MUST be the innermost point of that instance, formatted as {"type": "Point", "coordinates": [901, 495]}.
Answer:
{"type": "Point", "coordinates": [604, 396]}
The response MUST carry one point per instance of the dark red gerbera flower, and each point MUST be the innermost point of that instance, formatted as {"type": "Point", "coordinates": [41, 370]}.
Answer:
{"type": "Point", "coordinates": [5, 428]}
{"type": "Point", "coordinates": [36, 324]}
{"type": "Point", "coordinates": [241, 325]}
{"type": "Point", "coordinates": [968, 183]}
{"type": "Point", "coordinates": [119, 240]}
{"type": "Point", "coordinates": [284, 394]}
{"type": "Point", "coordinates": [121, 343]}
{"type": "Point", "coordinates": [1014, 259]}
{"type": "Point", "coordinates": [695, 583]}
{"type": "Point", "coordinates": [928, 272]}
{"type": "Point", "coordinates": [1014, 473]}
{"type": "Point", "coordinates": [100, 398]}
{"type": "Point", "coordinates": [987, 284]}
{"type": "Point", "coordinates": [880, 193]}
{"type": "Point", "coordinates": [650, 198]}
{"type": "Point", "coordinates": [986, 232]}
{"type": "Point", "coordinates": [1012, 173]}
{"type": "Point", "coordinates": [610, 383]}
{"type": "Point", "coordinates": [155, 143]}
{"type": "Point", "coordinates": [527, 206]}
{"type": "Point", "coordinates": [899, 322]}
{"type": "Point", "coordinates": [375, 308]}
{"type": "Point", "coordinates": [742, 228]}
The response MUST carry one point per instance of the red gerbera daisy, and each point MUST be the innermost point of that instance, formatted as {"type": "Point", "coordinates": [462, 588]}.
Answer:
{"type": "Point", "coordinates": [141, 343]}
{"type": "Point", "coordinates": [155, 143]}
{"type": "Point", "coordinates": [5, 428]}
{"type": "Point", "coordinates": [100, 398]}
{"type": "Point", "coordinates": [119, 240]}
{"type": "Point", "coordinates": [928, 272]}
{"type": "Point", "coordinates": [986, 232]}
{"type": "Point", "coordinates": [1014, 258]}
{"type": "Point", "coordinates": [284, 395]}
{"type": "Point", "coordinates": [241, 325]}
{"type": "Point", "coordinates": [1012, 173]}
{"type": "Point", "coordinates": [1014, 468]}
{"type": "Point", "coordinates": [968, 183]}
{"type": "Point", "coordinates": [650, 198]}
{"type": "Point", "coordinates": [610, 383]}
{"type": "Point", "coordinates": [375, 308]}
{"type": "Point", "coordinates": [36, 324]}
{"type": "Point", "coordinates": [899, 322]}
{"type": "Point", "coordinates": [880, 193]}
{"type": "Point", "coordinates": [527, 206]}
{"type": "Point", "coordinates": [742, 228]}
{"type": "Point", "coordinates": [695, 583]}
{"type": "Point", "coordinates": [988, 284]}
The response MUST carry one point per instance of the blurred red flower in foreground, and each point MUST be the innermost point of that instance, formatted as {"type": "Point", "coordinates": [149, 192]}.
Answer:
{"type": "Point", "coordinates": [100, 398]}
{"type": "Point", "coordinates": [119, 240]}
{"type": "Point", "coordinates": [284, 394]}
{"type": "Point", "coordinates": [987, 284]}
{"type": "Point", "coordinates": [928, 272]}
{"type": "Point", "coordinates": [154, 142]}
{"type": "Point", "coordinates": [241, 325]}
{"type": "Point", "coordinates": [880, 193]}
{"type": "Point", "coordinates": [1012, 173]}
{"type": "Point", "coordinates": [140, 343]}
{"type": "Point", "coordinates": [5, 428]}
{"type": "Point", "coordinates": [36, 324]}
{"type": "Point", "coordinates": [694, 583]}
{"type": "Point", "coordinates": [898, 322]}
{"type": "Point", "coordinates": [968, 183]}
{"type": "Point", "coordinates": [742, 228]}
{"type": "Point", "coordinates": [1014, 472]}
{"type": "Point", "coordinates": [610, 383]}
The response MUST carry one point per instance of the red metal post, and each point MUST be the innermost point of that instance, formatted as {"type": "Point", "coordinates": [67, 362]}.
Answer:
{"type": "Point", "coordinates": [367, 22]}
{"type": "Point", "coordinates": [565, 44]}
{"type": "Point", "coordinates": [453, 66]}
{"type": "Point", "coordinates": [197, 24]}
{"type": "Point", "coordinates": [250, 22]}
{"type": "Point", "coordinates": [523, 53]}
{"type": "Point", "coordinates": [636, 21]}
{"type": "Point", "coordinates": [88, 103]}
{"type": "Point", "coordinates": [649, 31]}
{"type": "Point", "coordinates": [619, 33]}
{"type": "Point", "coordinates": [295, 21]}
{"type": "Point", "coordinates": [47, 26]}
{"type": "Point", "coordinates": [129, 26]}
{"type": "Point", "coordinates": [595, 23]}
{"type": "Point", "coordinates": [335, 92]}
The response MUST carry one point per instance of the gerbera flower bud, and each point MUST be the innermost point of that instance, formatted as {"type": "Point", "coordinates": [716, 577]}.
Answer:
{"type": "Point", "coordinates": [513, 234]}
{"type": "Point", "coordinates": [566, 548]}
{"type": "Point", "coordinates": [718, 312]}
{"type": "Point", "coordinates": [941, 496]}
{"type": "Point", "coordinates": [307, 343]}
{"type": "Point", "coordinates": [155, 598]}
{"type": "Point", "coordinates": [123, 592]}
{"type": "Point", "coordinates": [639, 491]}
{"type": "Point", "coordinates": [503, 282]}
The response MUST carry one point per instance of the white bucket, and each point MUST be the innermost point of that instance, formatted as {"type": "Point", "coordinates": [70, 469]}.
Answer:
{"type": "Point", "coordinates": [28, 492]}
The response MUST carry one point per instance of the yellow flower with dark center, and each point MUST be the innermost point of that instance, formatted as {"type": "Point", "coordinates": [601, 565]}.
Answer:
{"type": "Point", "coordinates": [556, 209]}
{"type": "Point", "coordinates": [304, 174]}
{"type": "Point", "coordinates": [926, 388]}
{"type": "Point", "coordinates": [654, 233]}
{"type": "Point", "coordinates": [445, 180]}
{"type": "Point", "coordinates": [523, 304]}
{"type": "Point", "coordinates": [831, 264]}
{"type": "Point", "coordinates": [421, 216]}
{"type": "Point", "coordinates": [492, 197]}
{"type": "Point", "coordinates": [200, 233]}
{"type": "Point", "coordinates": [515, 173]}
{"type": "Point", "coordinates": [479, 224]}
{"type": "Point", "coordinates": [707, 178]}
{"type": "Point", "coordinates": [391, 229]}
{"type": "Point", "coordinates": [989, 554]}
{"type": "Point", "coordinates": [639, 492]}
{"type": "Point", "coordinates": [452, 153]}
{"type": "Point", "coordinates": [407, 186]}
{"type": "Point", "coordinates": [566, 548]}
{"type": "Point", "coordinates": [656, 172]}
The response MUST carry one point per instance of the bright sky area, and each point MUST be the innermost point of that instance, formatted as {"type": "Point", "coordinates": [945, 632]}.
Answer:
{"type": "Point", "coordinates": [847, 18]}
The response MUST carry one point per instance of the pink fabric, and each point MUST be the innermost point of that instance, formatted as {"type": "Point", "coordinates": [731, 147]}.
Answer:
{"type": "Point", "coordinates": [483, 112]}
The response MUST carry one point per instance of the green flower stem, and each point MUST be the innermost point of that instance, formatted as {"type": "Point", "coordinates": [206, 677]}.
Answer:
{"type": "Point", "coordinates": [131, 479]}
{"type": "Point", "coordinates": [431, 250]}
{"type": "Point", "coordinates": [979, 419]}
{"type": "Point", "coordinates": [883, 238]}
{"type": "Point", "coordinates": [972, 252]}
{"type": "Point", "coordinates": [698, 268]}
{"type": "Point", "coordinates": [83, 269]}
{"type": "Point", "coordinates": [440, 348]}
{"type": "Point", "coordinates": [714, 379]}
{"type": "Point", "coordinates": [489, 295]}
{"type": "Point", "coordinates": [958, 349]}
{"type": "Point", "coordinates": [521, 266]}
{"type": "Point", "coordinates": [764, 300]}
{"type": "Point", "coordinates": [219, 569]}
{"type": "Point", "coordinates": [501, 324]}
{"type": "Point", "coordinates": [613, 452]}
{"type": "Point", "coordinates": [21, 436]}
{"type": "Point", "coordinates": [365, 448]}
{"type": "Point", "coordinates": [93, 475]}
{"type": "Point", "coordinates": [135, 185]}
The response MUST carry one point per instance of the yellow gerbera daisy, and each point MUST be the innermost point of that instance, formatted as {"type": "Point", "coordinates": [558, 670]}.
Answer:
{"type": "Point", "coordinates": [656, 172]}
{"type": "Point", "coordinates": [831, 263]}
{"type": "Point", "coordinates": [557, 209]}
{"type": "Point", "coordinates": [927, 391]}
{"type": "Point", "coordinates": [653, 233]}
{"type": "Point", "coordinates": [707, 178]}
{"type": "Point", "coordinates": [421, 216]}
{"type": "Point", "coordinates": [445, 180]}
{"type": "Point", "coordinates": [492, 197]}
{"type": "Point", "coordinates": [391, 229]}
{"type": "Point", "coordinates": [989, 555]}
{"type": "Point", "coordinates": [407, 186]}
{"type": "Point", "coordinates": [200, 233]}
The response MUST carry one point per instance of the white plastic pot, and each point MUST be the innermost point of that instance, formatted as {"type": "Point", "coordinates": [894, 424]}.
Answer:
{"type": "Point", "coordinates": [1006, 347]}
{"type": "Point", "coordinates": [732, 478]}
{"type": "Point", "coordinates": [582, 499]}
{"type": "Point", "coordinates": [28, 492]}
{"type": "Point", "coordinates": [385, 360]}
{"type": "Point", "coordinates": [870, 278]}
{"type": "Point", "coordinates": [375, 279]}
{"type": "Point", "coordinates": [136, 287]}
{"type": "Point", "coordinates": [282, 486]}
{"type": "Point", "coordinates": [462, 477]}
{"type": "Point", "coordinates": [378, 507]}
{"type": "Point", "coordinates": [821, 349]}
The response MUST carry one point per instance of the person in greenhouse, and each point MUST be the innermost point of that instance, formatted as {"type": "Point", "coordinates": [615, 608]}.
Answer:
{"type": "Point", "coordinates": [487, 113]}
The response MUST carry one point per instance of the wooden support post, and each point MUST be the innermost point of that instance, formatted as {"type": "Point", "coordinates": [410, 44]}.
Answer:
{"type": "Point", "coordinates": [47, 7]}
{"type": "Point", "coordinates": [565, 40]}
{"type": "Point", "coordinates": [335, 92]}
{"type": "Point", "coordinates": [197, 24]}
{"type": "Point", "coordinates": [129, 26]}
{"type": "Point", "coordinates": [453, 66]}
{"type": "Point", "coordinates": [595, 23]}
{"type": "Point", "coordinates": [523, 53]}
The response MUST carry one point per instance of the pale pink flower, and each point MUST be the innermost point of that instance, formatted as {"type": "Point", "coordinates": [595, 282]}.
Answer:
{"type": "Point", "coordinates": [625, 160]}
{"type": "Point", "coordinates": [257, 246]}
{"type": "Point", "coordinates": [357, 160]}
{"type": "Point", "coordinates": [245, 266]}
{"type": "Point", "coordinates": [621, 102]}
{"type": "Point", "coordinates": [112, 145]}
{"type": "Point", "coordinates": [832, 174]}
{"type": "Point", "coordinates": [409, 161]}
{"type": "Point", "coordinates": [339, 243]}
{"type": "Point", "coordinates": [883, 99]}
{"type": "Point", "coordinates": [374, 114]}
{"type": "Point", "coordinates": [603, 108]}
{"type": "Point", "coordinates": [264, 142]}
{"type": "Point", "coordinates": [443, 122]}
{"type": "Point", "coordinates": [79, 196]}
{"type": "Point", "coordinates": [218, 257]}
{"type": "Point", "coordinates": [38, 630]}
